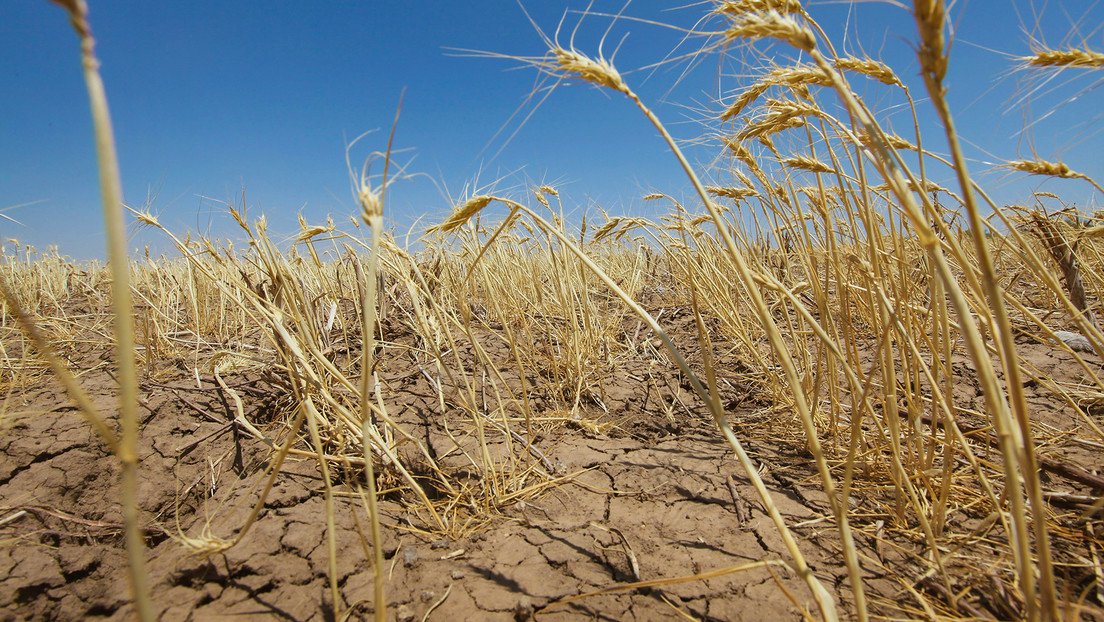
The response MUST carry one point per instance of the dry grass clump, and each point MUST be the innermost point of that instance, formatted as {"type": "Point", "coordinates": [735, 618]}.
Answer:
{"type": "Point", "coordinates": [828, 264]}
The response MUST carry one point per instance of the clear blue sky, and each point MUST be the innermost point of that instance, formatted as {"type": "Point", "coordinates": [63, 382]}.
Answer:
{"type": "Point", "coordinates": [210, 97]}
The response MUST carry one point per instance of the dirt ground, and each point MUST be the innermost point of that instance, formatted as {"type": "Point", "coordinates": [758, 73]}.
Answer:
{"type": "Point", "coordinates": [648, 490]}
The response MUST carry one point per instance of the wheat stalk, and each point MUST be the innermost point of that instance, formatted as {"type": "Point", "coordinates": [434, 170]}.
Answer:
{"type": "Point", "coordinates": [111, 196]}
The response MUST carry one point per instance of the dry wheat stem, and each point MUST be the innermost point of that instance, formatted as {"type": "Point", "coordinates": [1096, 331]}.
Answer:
{"type": "Point", "coordinates": [111, 196]}
{"type": "Point", "coordinates": [782, 352]}
{"type": "Point", "coordinates": [1017, 444]}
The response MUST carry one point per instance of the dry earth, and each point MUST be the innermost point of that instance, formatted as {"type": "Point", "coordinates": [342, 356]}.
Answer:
{"type": "Point", "coordinates": [651, 497]}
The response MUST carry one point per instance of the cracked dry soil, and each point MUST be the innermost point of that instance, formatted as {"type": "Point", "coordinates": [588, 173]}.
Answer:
{"type": "Point", "coordinates": [650, 503]}
{"type": "Point", "coordinates": [629, 511]}
{"type": "Point", "coordinates": [651, 498]}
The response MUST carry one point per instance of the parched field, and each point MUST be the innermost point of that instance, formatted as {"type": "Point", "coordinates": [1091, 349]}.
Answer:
{"type": "Point", "coordinates": [830, 388]}
{"type": "Point", "coordinates": [617, 476]}
{"type": "Point", "coordinates": [640, 489]}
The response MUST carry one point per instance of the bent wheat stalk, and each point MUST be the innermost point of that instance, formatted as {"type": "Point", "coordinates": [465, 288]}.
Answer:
{"type": "Point", "coordinates": [571, 63]}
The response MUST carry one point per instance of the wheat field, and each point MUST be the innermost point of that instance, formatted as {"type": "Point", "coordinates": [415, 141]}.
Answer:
{"type": "Point", "coordinates": [825, 387]}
